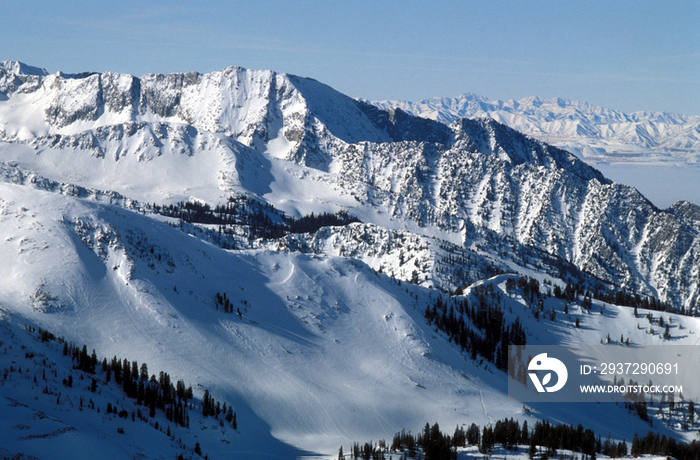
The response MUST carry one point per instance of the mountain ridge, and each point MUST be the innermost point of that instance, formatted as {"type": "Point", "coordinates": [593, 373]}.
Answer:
{"type": "Point", "coordinates": [596, 133]}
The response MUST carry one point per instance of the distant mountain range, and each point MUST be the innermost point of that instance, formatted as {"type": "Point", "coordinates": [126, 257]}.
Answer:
{"type": "Point", "coordinates": [594, 133]}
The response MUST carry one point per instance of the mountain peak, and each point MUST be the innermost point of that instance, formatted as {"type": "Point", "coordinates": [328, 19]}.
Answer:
{"type": "Point", "coordinates": [20, 68]}
{"type": "Point", "coordinates": [490, 136]}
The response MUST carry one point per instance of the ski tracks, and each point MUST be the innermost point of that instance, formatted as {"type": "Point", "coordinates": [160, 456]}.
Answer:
{"type": "Point", "coordinates": [483, 406]}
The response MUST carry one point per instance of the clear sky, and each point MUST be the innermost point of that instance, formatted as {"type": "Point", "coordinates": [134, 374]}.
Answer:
{"type": "Point", "coordinates": [629, 55]}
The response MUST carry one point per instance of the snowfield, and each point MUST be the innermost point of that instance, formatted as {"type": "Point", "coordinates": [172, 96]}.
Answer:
{"type": "Point", "coordinates": [316, 356]}
{"type": "Point", "coordinates": [326, 351]}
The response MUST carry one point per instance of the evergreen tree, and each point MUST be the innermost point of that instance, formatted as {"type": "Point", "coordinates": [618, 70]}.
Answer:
{"type": "Point", "coordinates": [691, 412]}
{"type": "Point", "coordinates": [207, 408]}
{"type": "Point", "coordinates": [524, 435]}
{"type": "Point", "coordinates": [473, 435]}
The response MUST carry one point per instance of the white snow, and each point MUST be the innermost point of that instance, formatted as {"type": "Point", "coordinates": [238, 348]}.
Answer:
{"type": "Point", "coordinates": [326, 352]}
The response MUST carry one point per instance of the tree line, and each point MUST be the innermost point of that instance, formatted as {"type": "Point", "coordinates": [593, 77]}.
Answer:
{"type": "Point", "coordinates": [175, 400]}
{"type": "Point", "coordinates": [261, 220]}
{"type": "Point", "coordinates": [492, 336]}
{"type": "Point", "coordinates": [655, 444]}
{"type": "Point", "coordinates": [154, 393]}
{"type": "Point", "coordinates": [543, 440]}
{"type": "Point", "coordinates": [621, 297]}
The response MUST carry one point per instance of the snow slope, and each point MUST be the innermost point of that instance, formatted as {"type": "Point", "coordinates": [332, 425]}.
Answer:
{"type": "Point", "coordinates": [46, 417]}
{"type": "Point", "coordinates": [325, 351]}
{"type": "Point", "coordinates": [317, 360]}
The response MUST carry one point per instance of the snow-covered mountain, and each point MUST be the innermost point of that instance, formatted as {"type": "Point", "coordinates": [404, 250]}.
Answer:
{"type": "Point", "coordinates": [129, 205]}
{"type": "Point", "coordinates": [597, 134]}
{"type": "Point", "coordinates": [305, 147]}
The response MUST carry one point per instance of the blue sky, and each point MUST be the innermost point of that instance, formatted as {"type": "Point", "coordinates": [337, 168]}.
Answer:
{"type": "Point", "coordinates": [628, 55]}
